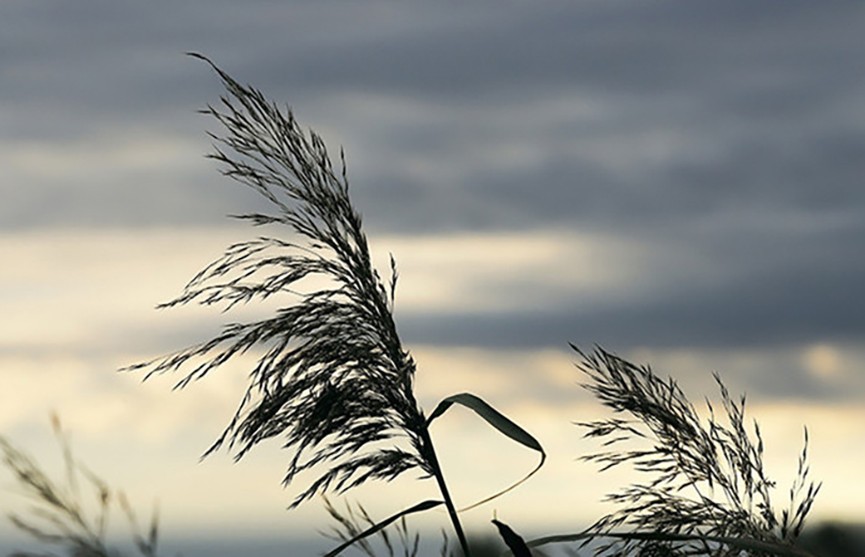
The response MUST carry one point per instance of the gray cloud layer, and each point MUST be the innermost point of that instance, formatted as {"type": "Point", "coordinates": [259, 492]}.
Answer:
{"type": "Point", "coordinates": [734, 130]}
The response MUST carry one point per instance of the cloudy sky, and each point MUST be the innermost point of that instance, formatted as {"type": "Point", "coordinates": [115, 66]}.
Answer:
{"type": "Point", "coordinates": [678, 182]}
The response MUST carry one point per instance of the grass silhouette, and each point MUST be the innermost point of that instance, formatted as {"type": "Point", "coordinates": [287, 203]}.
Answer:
{"type": "Point", "coordinates": [707, 491]}
{"type": "Point", "coordinates": [61, 513]}
{"type": "Point", "coordinates": [336, 384]}
{"type": "Point", "coordinates": [334, 380]}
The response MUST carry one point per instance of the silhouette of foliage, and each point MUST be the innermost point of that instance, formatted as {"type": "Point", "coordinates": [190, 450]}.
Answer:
{"type": "Point", "coordinates": [59, 513]}
{"type": "Point", "coordinates": [351, 523]}
{"type": "Point", "coordinates": [333, 380]}
{"type": "Point", "coordinates": [707, 492]}
{"type": "Point", "coordinates": [335, 383]}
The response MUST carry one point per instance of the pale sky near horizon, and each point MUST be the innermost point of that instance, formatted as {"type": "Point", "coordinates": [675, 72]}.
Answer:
{"type": "Point", "coordinates": [680, 183]}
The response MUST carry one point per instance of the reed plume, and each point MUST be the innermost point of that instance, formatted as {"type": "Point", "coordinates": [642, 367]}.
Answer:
{"type": "Point", "coordinates": [333, 380]}
{"type": "Point", "coordinates": [61, 513]}
{"type": "Point", "coordinates": [706, 490]}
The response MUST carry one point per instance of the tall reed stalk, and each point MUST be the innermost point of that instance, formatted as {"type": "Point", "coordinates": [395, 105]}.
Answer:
{"type": "Point", "coordinates": [333, 378]}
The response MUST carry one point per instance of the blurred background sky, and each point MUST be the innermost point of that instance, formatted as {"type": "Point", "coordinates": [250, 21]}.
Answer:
{"type": "Point", "coordinates": [678, 182]}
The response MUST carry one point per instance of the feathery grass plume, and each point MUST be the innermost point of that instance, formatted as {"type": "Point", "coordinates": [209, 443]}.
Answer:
{"type": "Point", "coordinates": [59, 513]}
{"type": "Point", "coordinates": [708, 492]}
{"type": "Point", "coordinates": [333, 379]}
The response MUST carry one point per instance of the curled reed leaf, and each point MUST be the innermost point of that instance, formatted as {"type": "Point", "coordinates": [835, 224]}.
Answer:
{"type": "Point", "coordinates": [500, 422]}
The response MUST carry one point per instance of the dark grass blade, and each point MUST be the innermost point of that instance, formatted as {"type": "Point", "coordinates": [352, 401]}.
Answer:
{"type": "Point", "coordinates": [501, 423]}
{"type": "Point", "coordinates": [491, 415]}
{"type": "Point", "coordinates": [420, 507]}
{"type": "Point", "coordinates": [513, 540]}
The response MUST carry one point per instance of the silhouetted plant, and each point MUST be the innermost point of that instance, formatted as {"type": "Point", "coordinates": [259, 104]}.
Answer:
{"type": "Point", "coordinates": [396, 540]}
{"type": "Point", "coordinates": [334, 379]}
{"type": "Point", "coordinates": [59, 514]}
{"type": "Point", "coordinates": [351, 523]}
{"type": "Point", "coordinates": [335, 382]}
{"type": "Point", "coordinates": [707, 491]}
{"type": "Point", "coordinates": [516, 544]}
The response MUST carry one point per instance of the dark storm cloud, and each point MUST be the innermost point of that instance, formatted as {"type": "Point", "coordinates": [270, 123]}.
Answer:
{"type": "Point", "coordinates": [779, 282]}
{"type": "Point", "coordinates": [771, 93]}
{"type": "Point", "coordinates": [734, 128]}
{"type": "Point", "coordinates": [764, 311]}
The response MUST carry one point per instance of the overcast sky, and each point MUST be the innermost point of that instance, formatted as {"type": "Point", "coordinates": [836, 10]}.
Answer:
{"type": "Point", "coordinates": [680, 182]}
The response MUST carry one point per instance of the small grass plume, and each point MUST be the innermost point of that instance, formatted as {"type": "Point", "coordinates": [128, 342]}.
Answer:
{"type": "Point", "coordinates": [61, 513]}
{"type": "Point", "coordinates": [707, 492]}
{"type": "Point", "coordinates": [333, 380]}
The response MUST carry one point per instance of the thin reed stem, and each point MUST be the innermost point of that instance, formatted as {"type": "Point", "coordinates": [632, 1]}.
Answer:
{"type": "Point", "coordinates": [443, 488]}
{"type": "Point", "coordinates": [333, 378]}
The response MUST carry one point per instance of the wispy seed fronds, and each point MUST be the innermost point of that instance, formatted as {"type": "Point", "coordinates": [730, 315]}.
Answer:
{"type": "Point", "coordinates": [333, 379]}
{"type": "Point", "coordinates": [705, 480]}
{"type": "Point", "coordinates": [61, 515]}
